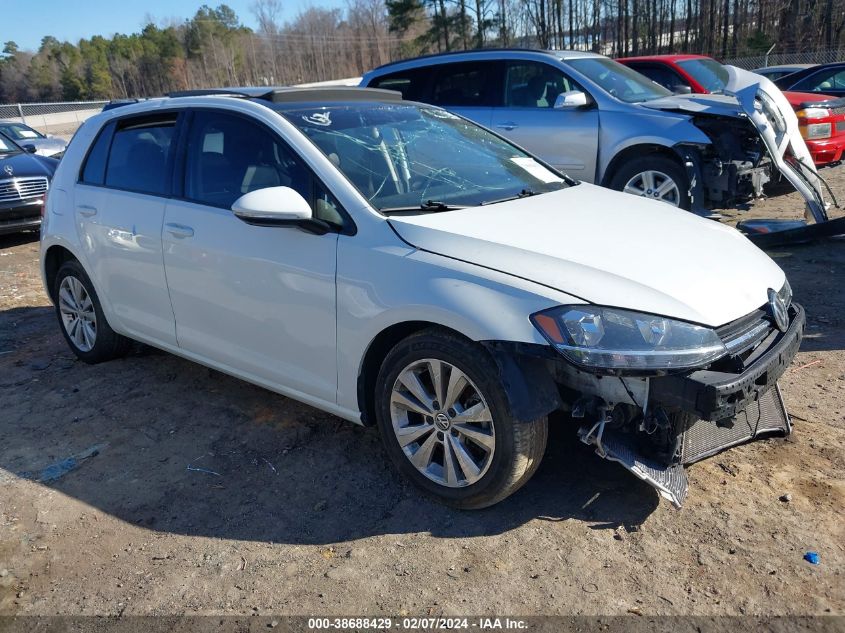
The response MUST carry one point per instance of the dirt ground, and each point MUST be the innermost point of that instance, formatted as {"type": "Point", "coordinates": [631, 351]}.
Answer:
{"type": "Point", "coordinates": [293, 511]}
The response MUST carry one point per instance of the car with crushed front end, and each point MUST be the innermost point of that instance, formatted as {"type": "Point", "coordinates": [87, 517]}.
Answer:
{"type": "Point", "coordinates": [821, 118]}
{"type": "Point", "coordinates": [322, 244]}
{"type": "Point", "coordinates": [24, 181]}
{"type": "Point", "coordinates": [601, 122]}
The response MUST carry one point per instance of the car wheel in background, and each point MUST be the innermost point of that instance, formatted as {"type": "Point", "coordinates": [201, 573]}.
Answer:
{"type": "Point", "coordinates": [81, 317]}
{"type": "Point", "coordinates": [654, 177]}
{"type": "Point", "coordinates": [443, 416]}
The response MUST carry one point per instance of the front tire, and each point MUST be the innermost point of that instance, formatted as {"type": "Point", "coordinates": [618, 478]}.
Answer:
{"type": "Point", "coordinates": [444, 420]}
{"type": "Point", "coordinates": [81, 317]}
{"type": "Point", "coordinates": [654, 177]}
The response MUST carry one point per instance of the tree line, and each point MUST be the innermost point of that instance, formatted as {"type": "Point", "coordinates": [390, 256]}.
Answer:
{"type": "Point", "coordinates": [214, 48]}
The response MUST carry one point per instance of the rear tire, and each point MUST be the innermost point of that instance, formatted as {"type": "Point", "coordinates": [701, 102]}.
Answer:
{"type": "Point", "coordinates": [81, 317]}
{"type": "Point", "coordinates": [455, 440]}
{"type": "Point", "coordinates": [654, 177]}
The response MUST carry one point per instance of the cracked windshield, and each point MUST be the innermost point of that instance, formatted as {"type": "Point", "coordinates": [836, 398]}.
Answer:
{"type": "Point", "coordinates": [410, 159]}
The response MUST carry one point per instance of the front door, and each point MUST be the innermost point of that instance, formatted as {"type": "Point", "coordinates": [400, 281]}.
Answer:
{"type": "Point", "coordinates": [258, 300]}
{"type": "Point", "coordinates": [564, 138]}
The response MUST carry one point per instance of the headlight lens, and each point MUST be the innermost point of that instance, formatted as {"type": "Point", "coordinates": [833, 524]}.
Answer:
{"type": "Point", "coordinates": [770, 109]}
{"type": "Point", "coordinates": [609, 338]}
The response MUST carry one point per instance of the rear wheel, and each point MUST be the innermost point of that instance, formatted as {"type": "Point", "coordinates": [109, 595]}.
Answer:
{"type": "Point", "coordinates": [81, 316]}
{"type": "Point", "coordinates": [444, 420]}
{"type": "Point", "coordinates": [655, 177]}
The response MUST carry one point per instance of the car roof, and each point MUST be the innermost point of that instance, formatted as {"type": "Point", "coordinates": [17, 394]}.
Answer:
{"type": "Point", "coordinates": [271, 95]}
{"type": "Point", "coordinates": [293, 94]}
{"type": "Point", "coordinates": [501, 53]}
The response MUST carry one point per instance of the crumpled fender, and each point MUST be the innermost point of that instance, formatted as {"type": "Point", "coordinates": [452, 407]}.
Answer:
{"type": "Point", "coordinates": [529, 387]}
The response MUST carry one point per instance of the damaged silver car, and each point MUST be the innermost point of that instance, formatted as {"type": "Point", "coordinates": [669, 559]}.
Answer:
{"type": "Point", "coordinates": [604, 123]}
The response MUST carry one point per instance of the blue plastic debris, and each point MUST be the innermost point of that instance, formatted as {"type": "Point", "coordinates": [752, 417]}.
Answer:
{"type": "Point", "coordinates": [60, 469]}
{"type": "Point", "coordinates": [812, 558]}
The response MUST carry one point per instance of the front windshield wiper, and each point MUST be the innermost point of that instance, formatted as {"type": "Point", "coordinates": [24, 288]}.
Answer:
{"type": "Point", "coordinates": [432, 206]}
{"type": "Point", "coordinates": [525, 193]}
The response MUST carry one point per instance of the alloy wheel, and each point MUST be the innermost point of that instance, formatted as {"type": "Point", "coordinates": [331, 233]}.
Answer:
{"type": "Point", "coordinates": [655, 185]}
{"type": "Point", "coordinates": [78, 316]}
{"type": "Point", "coordinates": [442, 422]}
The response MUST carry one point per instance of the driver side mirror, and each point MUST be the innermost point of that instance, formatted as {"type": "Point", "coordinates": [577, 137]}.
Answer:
{"type": "Point", "coordinates": [29, 148]}
{"type": "Point", "coordinates": [571, 99]}
{"type": "Point", "coordinates": [681, 89]}
{"type": "Point", "coordinates": [277, 206]}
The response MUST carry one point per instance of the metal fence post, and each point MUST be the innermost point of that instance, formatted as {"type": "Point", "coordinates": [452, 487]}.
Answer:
{"type": "Point", "coordinates": [20, 112]}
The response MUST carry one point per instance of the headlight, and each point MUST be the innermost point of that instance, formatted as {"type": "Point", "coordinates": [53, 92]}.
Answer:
{"type": "Point", "coordinates": [608, 338]}
{"type": "Point", "coordinates": [769, 108]}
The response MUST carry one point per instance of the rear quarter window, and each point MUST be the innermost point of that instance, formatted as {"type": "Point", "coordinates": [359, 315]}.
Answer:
{"type": "Point", "coordinates": [411, 83]}
{"type": "Point", "coordinates": [94, 167]}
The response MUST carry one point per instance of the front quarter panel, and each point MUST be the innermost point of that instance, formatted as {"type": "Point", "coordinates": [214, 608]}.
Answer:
{"type": "Point", "coordinates": [382, 281]}
{"type": "Point", "coordinates": [624, 129]}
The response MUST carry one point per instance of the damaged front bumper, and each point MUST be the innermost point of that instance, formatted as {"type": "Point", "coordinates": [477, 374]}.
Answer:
{"type": "Point", "coordinates": [669, 422]}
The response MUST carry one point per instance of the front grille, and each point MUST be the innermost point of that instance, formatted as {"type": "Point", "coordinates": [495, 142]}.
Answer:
{"type": "Point", "coordinates": [766, 416]}
{"type": "Point", "coordinates": [746, 332]}
{"type": "Point", "coordinates": [839, 110]}
{"type": "Point", "coordinates": [12, 189]}
{"type": "Point", "coordinates": [840, 126]}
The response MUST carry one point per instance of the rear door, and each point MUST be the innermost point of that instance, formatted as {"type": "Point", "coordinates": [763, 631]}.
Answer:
{"type": "Point", "coordinates": [119, 207]}
{"type": "Point", "coordinates": [257, 299]}
{"type": "Point", "coordinates": [565, 138]}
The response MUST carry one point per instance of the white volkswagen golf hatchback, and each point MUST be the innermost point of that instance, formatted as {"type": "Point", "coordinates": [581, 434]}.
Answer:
{"type": "Point", "coordinates": [399, 266]}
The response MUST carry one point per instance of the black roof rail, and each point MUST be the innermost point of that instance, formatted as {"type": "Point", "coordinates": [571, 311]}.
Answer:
{"type": "Point", "coordinates": [469, 52]}
{"type": "Point", "coordinates": [293, 94]}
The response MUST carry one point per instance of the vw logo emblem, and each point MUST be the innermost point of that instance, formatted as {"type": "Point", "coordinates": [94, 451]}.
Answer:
{"type": "Point", "coordinates": [441, 420]}
{"type": "Point", "coordinates": [9, 170]}
{"type": "Point", "coordinates": [778, 311]}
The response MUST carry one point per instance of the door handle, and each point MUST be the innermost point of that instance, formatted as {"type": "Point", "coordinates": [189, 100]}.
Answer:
{"type": "Point", "coordinates": [507, 125]}
{"type": "Point", "coordinates": [86, 210]}
{"type": "Point", "coordinates": [179, 230]}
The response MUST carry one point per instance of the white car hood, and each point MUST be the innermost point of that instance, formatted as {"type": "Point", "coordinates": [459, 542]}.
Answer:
{"type": "Point", "coordinates": [608, 248]}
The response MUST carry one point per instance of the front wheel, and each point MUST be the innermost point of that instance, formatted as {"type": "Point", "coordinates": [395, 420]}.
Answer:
{"type": "Point", "coordinates": [445, 423]}
{"type": "Point", "coordinates": [654, 177]}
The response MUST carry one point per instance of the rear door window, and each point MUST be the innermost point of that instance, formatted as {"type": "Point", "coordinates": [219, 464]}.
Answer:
{"type": "Point", "coordinates": [140, 152]}
{"type": "Point", "coordinates": [466, 84]}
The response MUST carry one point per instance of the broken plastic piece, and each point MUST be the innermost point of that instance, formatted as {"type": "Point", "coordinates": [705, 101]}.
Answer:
{"type": "Point", "coordinates": [669, 481]}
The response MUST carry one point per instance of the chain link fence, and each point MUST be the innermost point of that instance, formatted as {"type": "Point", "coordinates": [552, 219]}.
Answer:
{"type": "Point", "coordinates": [59, 119]}
{"type": "Point", "coordinates": [778, 59]}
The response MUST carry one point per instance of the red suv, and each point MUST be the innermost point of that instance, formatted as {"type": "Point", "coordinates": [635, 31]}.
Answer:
{"type": "Point", "coordinates": [821, 118]}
